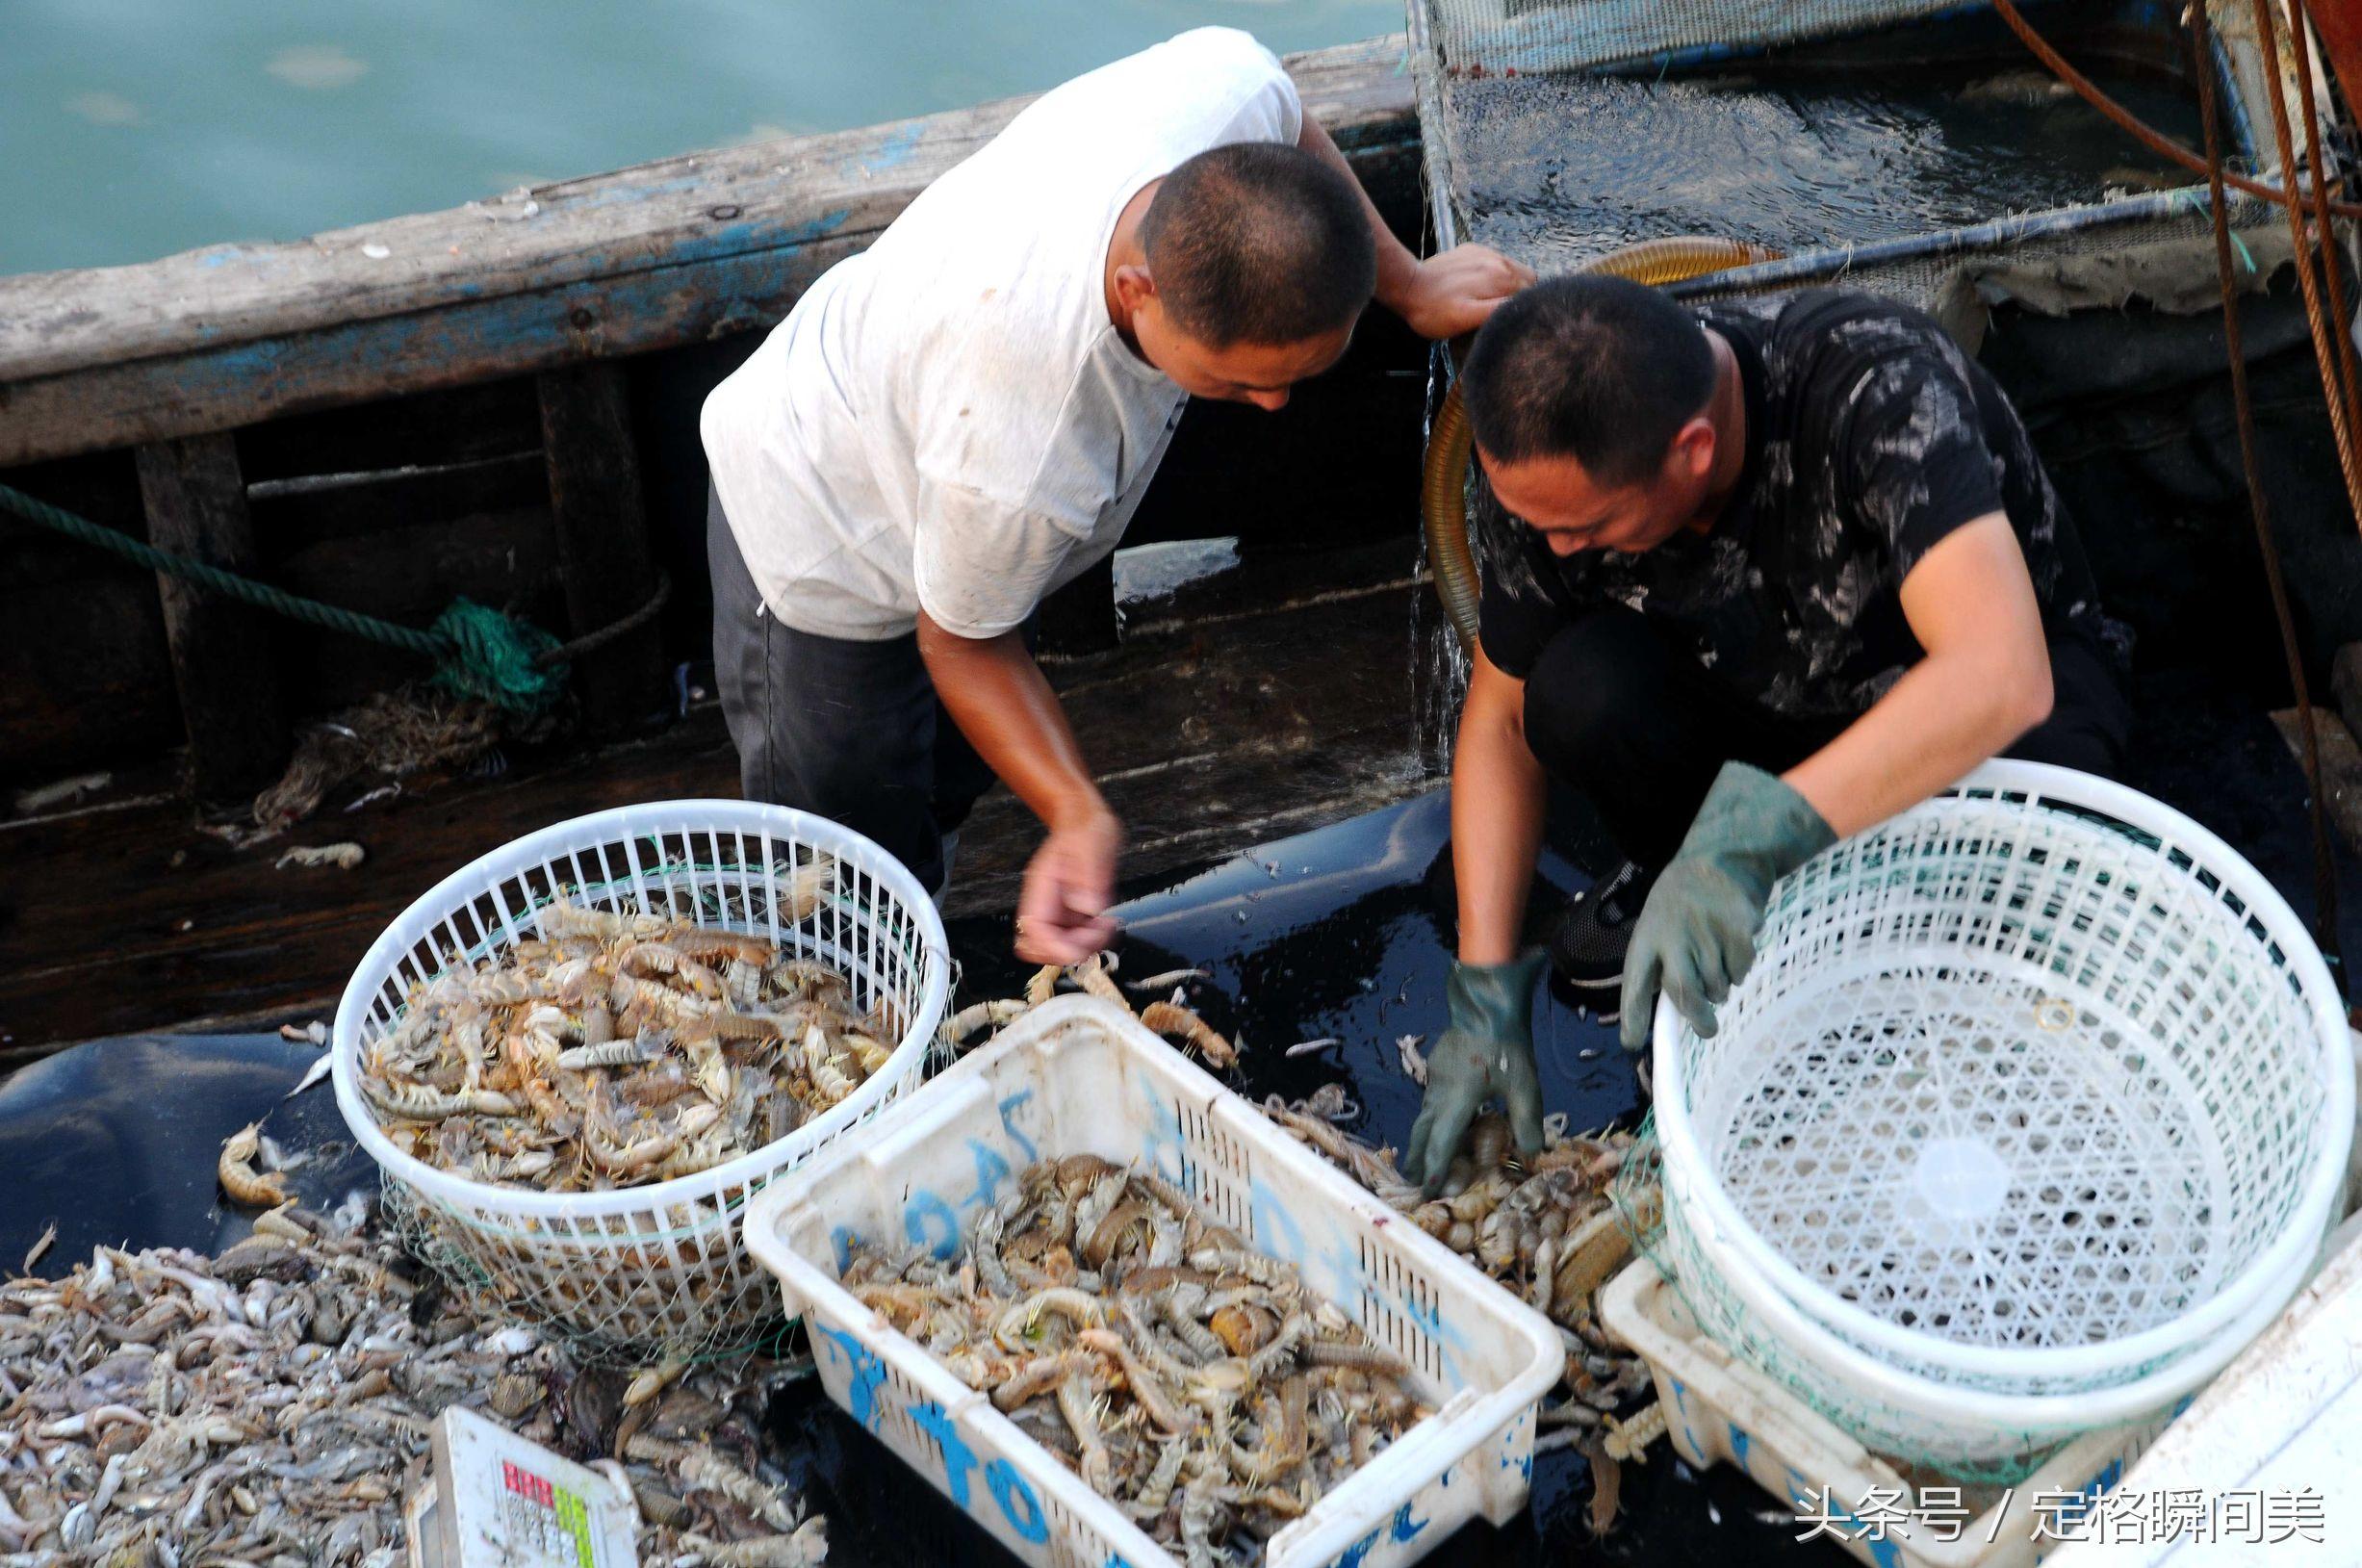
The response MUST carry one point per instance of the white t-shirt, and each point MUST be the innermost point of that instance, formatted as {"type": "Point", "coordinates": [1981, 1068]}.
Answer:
{"type": "Point", "coordinates": [949, 420]}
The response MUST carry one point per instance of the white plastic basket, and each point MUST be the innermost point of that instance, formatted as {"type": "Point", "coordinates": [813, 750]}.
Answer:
{"type": "Point", "coordinates": [653, 1269]}
{"type": "Point", "coordinates": [2034, 1089]}
{"type": "Point", "coordinates": [1078, 1075]}
{"type": "Point", "coordinates": [1953, 1430]}
{"type": "Point", "coordinates": [1720, 1410]}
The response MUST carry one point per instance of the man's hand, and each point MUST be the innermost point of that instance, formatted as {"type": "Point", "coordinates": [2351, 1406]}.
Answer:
{"type": "Point", "coordinates": [997, 694]}
{"type": "Point", "coordinates": [1442, 296]}
{"type": "Point", "coordinates": [1486, 1050]}
{"type": "Point", "coordinates": [1062, 913]}
{"type": "Point", "coordinates": [1695, 938]}
{"type": "Point", "coordinates": [1455, 292]}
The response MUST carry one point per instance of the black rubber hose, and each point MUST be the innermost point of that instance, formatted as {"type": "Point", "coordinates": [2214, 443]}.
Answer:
{"type": "Point", "coordinates": [1443, 492]}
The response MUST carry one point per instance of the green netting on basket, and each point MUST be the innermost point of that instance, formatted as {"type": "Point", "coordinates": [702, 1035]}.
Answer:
{"type": "Point", "coordinates": [1651, 1217]}
{"type": "Point", "coordinates": [634, 1316]}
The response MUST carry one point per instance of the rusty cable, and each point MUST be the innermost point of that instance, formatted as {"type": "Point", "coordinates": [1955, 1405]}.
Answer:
{"type": "Point", "coordinates": [2325, 868]}
{"type": "Point", "coordinates": [2308, 283]}
{"type": "Point", "coordinates": [2316, 167]}
{"type": "Point", "coordinates": [2138, 129]}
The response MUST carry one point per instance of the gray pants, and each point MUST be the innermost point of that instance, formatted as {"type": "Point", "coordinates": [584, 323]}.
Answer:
{"type": "Point", "coordinates": [849, 730]}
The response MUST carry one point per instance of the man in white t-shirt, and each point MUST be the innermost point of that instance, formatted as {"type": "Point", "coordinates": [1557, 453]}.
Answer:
{"type": "Point", "coordinates": [963, 418]}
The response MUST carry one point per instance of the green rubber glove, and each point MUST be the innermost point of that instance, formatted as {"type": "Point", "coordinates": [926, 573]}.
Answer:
{"type": "Point", "coordinates": [1487, 1049]}
{"type": "Point", "coordinates": [1695, 938]}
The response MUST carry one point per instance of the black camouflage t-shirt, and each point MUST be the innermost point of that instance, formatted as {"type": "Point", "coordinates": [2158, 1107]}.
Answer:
{"type": "Point", "coordinates": [1870, 436]}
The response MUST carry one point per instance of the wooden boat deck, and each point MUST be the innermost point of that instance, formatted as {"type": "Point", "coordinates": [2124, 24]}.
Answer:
{"type": "Point", "coordinates": [1226, 718]}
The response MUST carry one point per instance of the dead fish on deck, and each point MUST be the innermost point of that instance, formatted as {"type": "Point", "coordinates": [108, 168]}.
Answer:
{"type": "Point", "coordinates": [344, 857]}
{"type": "Point", "coordinates": [275, 1406]}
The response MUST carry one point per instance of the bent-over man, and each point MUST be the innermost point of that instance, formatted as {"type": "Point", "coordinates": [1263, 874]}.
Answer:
{"type": "Point", "coordinates": [963, 418]}
{"type": "Point", "coordinates": [1756, 577]}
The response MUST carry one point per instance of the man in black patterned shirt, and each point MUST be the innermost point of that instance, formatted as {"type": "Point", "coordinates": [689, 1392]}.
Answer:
{"type": "Point", "coordinates": [1755, 577]}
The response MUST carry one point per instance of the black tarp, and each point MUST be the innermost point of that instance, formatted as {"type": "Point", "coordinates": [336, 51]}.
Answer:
{"type": "Point", "coordinates": [2132, 411]}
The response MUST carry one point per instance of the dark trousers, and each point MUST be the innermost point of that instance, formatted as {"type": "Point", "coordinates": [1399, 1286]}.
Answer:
{"type": "Point", "coordinates": [849, 730]}
{"type": "Point", "coordinates": [1642, 729]}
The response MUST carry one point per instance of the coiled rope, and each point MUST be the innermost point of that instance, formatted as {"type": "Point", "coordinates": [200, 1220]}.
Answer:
{"type": "Point", "coordinates": [477, 650]}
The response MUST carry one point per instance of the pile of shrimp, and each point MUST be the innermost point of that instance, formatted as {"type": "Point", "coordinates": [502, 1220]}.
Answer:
{"type": "Point", "coordinates": [1543, 1227]}
{"type": "Point", "coordinates": [1189, 1378]}
{"type": "Point", "coordinates": [619, 1048]}
{"type": "Point", "coordinates": [274, 1406]}
{"type": "Point", "coordinates": [1170, 1017]}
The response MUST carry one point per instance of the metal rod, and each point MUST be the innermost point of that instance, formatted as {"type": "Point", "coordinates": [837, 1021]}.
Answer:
{"type": "Point", "coordinates": [2001, 231]}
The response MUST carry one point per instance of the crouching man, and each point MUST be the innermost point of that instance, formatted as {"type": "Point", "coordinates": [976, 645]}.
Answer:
{"type": "Point", "coordinates": [1756, 576]}
{"type": "Point", "coordinates": [963, 418]}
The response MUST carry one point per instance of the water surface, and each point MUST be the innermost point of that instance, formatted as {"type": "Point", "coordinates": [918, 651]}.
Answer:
{"type": "Point", "coordinates": [1555, 170]}
{"type": "Point", "coordinates": [133, 128]}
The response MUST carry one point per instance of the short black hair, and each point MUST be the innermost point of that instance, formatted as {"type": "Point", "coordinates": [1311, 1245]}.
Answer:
{"type": "Point", "coordinates": [1599, 369]}
{"type": "Point", "coordinates": [1259, 243]}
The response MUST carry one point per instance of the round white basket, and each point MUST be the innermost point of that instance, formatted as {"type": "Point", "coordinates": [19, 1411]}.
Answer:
{"type": "Point", "coordinates": [2035, 1089]}
{"type": "Point", "coordinates": [654, 1269]}
{"type": "Point", "coordinates": [1963, 1432]}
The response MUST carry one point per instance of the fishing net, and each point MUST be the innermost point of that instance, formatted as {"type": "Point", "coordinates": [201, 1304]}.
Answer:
{"type": "Point", "coordinates": [1874, 144]}
{"type": "Point", "coordinates": [393, 734]}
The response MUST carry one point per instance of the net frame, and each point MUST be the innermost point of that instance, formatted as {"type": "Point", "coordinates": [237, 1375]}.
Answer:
{"type": "Point", "coordinates": [1557, 38]}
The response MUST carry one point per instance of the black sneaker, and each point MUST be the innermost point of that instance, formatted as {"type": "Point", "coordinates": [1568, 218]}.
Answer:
{"type": "Point", "coordinates": [1586, 947]}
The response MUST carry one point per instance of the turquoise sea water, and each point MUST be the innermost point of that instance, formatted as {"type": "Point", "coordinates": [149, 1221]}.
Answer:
{"type": "Point", "coordinates": [133, 128]}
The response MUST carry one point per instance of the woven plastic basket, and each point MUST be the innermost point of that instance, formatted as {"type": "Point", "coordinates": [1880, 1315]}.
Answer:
{"type": "Point", "coordinates": [2035, 1089]}
{"type": "Point", "coordinates": [654, 1269]}
{"type": "Point", "coordinates": [1962, 1432]}
{"type": "Point", "coordinates": [1079, 1075]}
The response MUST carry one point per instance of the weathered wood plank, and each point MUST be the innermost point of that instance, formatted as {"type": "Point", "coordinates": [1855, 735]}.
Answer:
{"type": "Point", "coordinates": [221, 665]}
{"type": "Point", "coordinates": [485, 421]}
{"type": "Point", "coordinates": [85, 677]}
{"type": "Point", "coordinates": [603, 559]}
{"type": "Point", "coordinates": [1210, 733]}
{"type": "Point", "coordinates": [651, 257]}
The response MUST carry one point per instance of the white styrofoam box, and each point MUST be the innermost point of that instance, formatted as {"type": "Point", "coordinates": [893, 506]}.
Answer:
{"type": "Point", "coordinates": [2284, 1420]}
{"type": "Point", "coordinates": [1721, 1410]}
{"type": "Point", "coordinates": [1082, 1076]}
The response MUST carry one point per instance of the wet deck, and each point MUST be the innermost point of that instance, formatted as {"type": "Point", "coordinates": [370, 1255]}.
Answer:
{"type": "Point", "coordinates": [1234, 711]}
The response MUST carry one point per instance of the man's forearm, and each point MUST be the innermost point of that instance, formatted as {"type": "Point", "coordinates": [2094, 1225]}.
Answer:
{"type": "Point", "coordinates": [1944, 717]}
{"type": "Point", "coordinates": [1497, 809]}
{"type": "Point", "coordinates": [999, 698]}
{"type": "Point", "coordinates": [1985, 682]}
